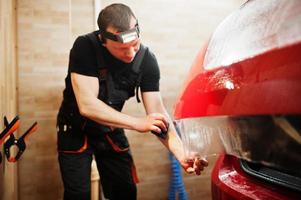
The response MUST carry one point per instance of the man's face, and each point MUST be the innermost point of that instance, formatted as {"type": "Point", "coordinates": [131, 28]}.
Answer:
{"type": "Point", "coordinates": [123, 51]}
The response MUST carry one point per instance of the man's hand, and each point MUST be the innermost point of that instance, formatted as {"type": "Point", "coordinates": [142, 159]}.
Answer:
{"type": "Point", "coordinates": [152, 122]}
{"type": "Point", "coordinates": [194, 165]}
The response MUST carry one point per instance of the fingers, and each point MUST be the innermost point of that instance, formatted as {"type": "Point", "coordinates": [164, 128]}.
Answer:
{"type": "Point", "coordinates": [162, 126]}
{"type": "Point", "coordinates": [188, 165]}
{"type": "Point", "coordinates": [155, 122]}
{"type": "Point", "coordinates": [190, 170]}
{"type": "Point", "coordinates": [155, 129]}
{"type": "Point", "coordinates": [204, 162]}
{"type": "Point", "coordinates": [161, 117]}
{"type": "Point", "coordinates": [160, 121]}
{"type": "Point", "coordinates": [195, 165]}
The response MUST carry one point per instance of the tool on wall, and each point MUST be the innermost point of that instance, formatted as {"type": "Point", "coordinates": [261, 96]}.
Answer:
{"type": "Point", "coordinates": [20, 142]}
{"type": "Point", "coordinates": [9, 128]}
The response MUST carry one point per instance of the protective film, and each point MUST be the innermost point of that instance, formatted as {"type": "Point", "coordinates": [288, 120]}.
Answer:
{"type": "Point", "coordinates": [271, 140]}
{"type": "Point", "coordinates": [253, 29]}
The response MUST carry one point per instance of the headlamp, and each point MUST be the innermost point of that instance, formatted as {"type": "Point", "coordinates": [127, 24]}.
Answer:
{"type": "Point", "coordinates": [123, 37]}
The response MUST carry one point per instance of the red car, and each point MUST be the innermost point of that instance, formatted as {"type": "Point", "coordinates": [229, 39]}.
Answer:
{"type": "Point", "coordinates": [243, 94]}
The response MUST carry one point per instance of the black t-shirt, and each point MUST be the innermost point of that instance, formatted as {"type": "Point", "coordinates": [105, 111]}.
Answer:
{"type": "Point", "coordinates": [83, 60]}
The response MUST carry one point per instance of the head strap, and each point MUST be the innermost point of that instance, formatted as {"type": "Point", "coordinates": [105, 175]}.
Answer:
{"type": "Point", "coordinates": [123, 37]}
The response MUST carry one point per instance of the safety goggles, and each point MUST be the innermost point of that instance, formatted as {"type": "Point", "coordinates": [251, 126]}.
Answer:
{"type": "Point", "coordinates": [123, 37]}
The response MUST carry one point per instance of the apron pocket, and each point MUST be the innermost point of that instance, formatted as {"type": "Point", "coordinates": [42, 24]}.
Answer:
{"type": "Point", "coordinates": [118, 140]}
{"type": "Point", "coordinates": [70, 134]}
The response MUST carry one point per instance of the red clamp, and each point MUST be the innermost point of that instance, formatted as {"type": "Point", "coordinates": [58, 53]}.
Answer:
{"type": "Point", "coordinates": [20, 143]}
{"type": "Point", "coordinates": [9, 128]}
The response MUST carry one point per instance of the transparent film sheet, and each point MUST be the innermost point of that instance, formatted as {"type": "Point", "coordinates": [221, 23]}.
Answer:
{"type": "Point", "coordinates": [271, 140]}
{"type": "Point", "coordinates": [255, 28]}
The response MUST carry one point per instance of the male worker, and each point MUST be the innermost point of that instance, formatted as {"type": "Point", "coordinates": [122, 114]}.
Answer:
{"type": "Point", "coordinates": [105, 69]}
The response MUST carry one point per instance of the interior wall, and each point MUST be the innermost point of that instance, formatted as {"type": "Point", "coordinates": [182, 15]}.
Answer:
{"type": "Point", "coordinates": [8, 92]}
{"type": "Point", "coordinates": [46, 31]}
{"type": "Point", "coordinates": [173, 29]}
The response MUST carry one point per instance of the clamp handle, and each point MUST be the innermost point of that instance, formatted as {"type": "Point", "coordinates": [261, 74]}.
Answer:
{"type": "Point", "coordinates": [20, 143]}
{"type": "Point", "coordinates": [9, 128]}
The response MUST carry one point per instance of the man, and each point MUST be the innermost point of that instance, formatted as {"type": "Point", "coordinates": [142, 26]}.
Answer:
{"type": "Point", "coordinates": [105, 68]}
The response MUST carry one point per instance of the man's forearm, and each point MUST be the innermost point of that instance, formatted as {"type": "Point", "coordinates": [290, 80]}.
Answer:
{"type": "Point", "coordinates": [174, 143]}
{"type": "Point", "coordinates": [100, 112]}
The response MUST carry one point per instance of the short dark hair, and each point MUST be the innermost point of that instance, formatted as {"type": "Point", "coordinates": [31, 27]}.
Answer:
{"type": "Point", "coordinates": [116, 15]}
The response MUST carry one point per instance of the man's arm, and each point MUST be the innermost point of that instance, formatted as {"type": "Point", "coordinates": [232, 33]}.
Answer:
{"type": "Point", "coordinates": [153, 104]}
{"type": "Point", "coordinates": [86, 90]}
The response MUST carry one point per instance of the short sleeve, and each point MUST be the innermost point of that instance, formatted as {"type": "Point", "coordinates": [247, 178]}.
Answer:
{"type": "Point", "coordinates": [82, 59]}
{"type": "Point", "coordinates": [150, 74]}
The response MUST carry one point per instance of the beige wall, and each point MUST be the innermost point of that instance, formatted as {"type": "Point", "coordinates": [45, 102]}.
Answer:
{"type": "Point", "coordinates": [8, 92]}
{"type": "Point", "coordinates": [174, 30]}
{"type": "Point", "coordinates": [46, 30]}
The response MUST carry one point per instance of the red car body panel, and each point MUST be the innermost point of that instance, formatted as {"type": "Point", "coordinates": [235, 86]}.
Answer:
{"type": "Point", "coordinates": [230, 182]}
{"type": "Point", "coordinates": [266, 81]}
{"type": "Point", "coordinates": [265, 84]}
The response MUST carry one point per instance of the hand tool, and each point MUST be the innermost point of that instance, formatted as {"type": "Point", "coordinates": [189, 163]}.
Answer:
{"type": "Point", "coordinates": [9, 128]}
{"type": "Point", "coordinates": [20, 143]}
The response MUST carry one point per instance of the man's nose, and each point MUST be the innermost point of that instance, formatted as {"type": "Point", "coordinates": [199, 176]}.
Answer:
{"type": "Point", "coordinates": [130, 52]}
